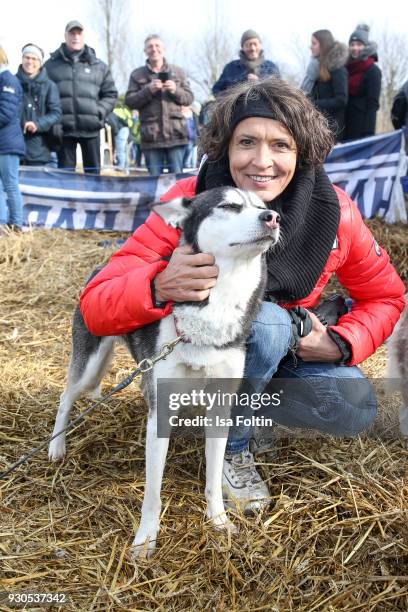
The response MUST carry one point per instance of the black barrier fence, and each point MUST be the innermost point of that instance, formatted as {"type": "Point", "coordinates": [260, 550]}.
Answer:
{"type": "Point", "coordinates": [292, 407]}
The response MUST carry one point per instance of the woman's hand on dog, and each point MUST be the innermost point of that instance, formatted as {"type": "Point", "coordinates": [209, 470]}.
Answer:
{"type": "Point", "coordinates": [317, 345]}
{"type": "Point", "coordinates": [188, 277]}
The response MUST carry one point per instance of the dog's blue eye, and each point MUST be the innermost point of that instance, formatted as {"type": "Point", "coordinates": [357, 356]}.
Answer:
{"type": "Point", "coordinates": [231, 206]}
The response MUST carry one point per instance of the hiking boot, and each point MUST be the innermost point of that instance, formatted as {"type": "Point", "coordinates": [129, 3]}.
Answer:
{"type": "Point", "coordinates": [242, 486]}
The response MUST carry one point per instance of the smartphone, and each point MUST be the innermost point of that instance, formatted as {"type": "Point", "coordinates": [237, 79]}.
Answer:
{"type": "Point", "coordinates": [164, 76]}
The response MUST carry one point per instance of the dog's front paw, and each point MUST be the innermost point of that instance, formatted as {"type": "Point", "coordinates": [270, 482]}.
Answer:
{"type": "Point", "coordinates": [222, 522]}
{"type": "Point", "coordinates": [143, 545]}
{"type": "Point", "coordinates": [57, 449]}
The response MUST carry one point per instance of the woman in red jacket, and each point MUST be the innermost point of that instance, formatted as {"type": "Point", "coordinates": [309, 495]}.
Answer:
{"type": "Point", "coordinates": [268, 138]}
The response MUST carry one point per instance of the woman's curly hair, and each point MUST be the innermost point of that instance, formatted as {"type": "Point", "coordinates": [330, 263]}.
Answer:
{"type": "Point", "coordinates": [307, 126]}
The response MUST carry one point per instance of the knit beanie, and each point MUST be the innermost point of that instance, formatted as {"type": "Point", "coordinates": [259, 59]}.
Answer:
{"type": "Point", "coordinates": [249, 34]}
{"type": "Point", "coordinates": [33, 49]}
{"type": "Point", "coordinates": [360, 34]}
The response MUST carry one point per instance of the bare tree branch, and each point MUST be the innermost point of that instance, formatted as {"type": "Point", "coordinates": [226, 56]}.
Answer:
{"type": "Point", "coordinates": [393, 61]}
{"type": "Point", "coordinates": [112, 19]}
{"type": "Point", "coordinates": [300, 51]}
{"type": "Point", "coordinates": [213, 51]}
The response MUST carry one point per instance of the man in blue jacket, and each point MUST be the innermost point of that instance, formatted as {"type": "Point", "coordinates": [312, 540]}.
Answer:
{"type": "Point", "coordinates": [251, 64]}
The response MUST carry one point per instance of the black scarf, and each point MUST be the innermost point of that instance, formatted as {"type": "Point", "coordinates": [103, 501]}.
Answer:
{"type": "Point", "coordinates": [310, 215]}
{"type": "Point", "coordinates": [74, 56]}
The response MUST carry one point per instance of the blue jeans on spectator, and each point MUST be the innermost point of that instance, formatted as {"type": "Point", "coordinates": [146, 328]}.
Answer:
{"type": "Point", "coordinates": [190, 156]}
{"type": "Point", "coordinates": [121, 139]}
{"type": "Point", "coordinates": [327, 397]}
{"type": "Point", "coordinates": [158, 159]}
{"type": "Point", "coordinates": [136, 154]}
{"type": "Point", "coordinates": [11, 210]}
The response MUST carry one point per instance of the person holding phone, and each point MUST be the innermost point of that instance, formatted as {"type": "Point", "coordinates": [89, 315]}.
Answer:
{"type": "Point", "coordinates": [159, 90]}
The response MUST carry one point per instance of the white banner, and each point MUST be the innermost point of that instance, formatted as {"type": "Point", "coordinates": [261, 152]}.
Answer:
{"type": "Point", "coordinates": [369, 170]}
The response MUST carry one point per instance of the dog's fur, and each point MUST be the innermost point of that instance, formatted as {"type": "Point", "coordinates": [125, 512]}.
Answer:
{"type": "Point", "coordinates": [237, 229]}
{"type": "Point", "coordinates": [396, 373]}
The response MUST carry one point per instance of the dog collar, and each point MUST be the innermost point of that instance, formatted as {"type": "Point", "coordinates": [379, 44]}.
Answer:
{"type": "Point", "coordinates": [179, 333]}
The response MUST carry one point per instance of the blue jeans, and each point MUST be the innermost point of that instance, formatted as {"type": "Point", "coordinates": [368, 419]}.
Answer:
{"type": "Point", "coordinates": [11, 211]}
{"type": "Point", "coordinates": [121, 139]}
{"type": "Point", "coordinates": [333, 399]}
{"type": "Point", "coordinates": [136, 154]}
{"type": "Point", "coordinates": [158, 159]}
{"type": "Point", "coordinates": [190, 156]}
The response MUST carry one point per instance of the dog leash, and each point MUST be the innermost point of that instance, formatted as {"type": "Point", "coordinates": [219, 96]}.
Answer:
{"type": "Point", "coordinates": [144, 366]}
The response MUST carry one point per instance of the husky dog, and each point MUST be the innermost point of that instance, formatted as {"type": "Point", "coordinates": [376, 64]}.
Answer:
{"type": "Point", "coordinates": [237, 228]}
{"type": "Point", "coordinates": [397, 366]}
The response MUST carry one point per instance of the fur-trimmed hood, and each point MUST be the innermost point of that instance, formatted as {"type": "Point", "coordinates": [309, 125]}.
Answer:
{"type": "Point", "coordinates": [337, 56]}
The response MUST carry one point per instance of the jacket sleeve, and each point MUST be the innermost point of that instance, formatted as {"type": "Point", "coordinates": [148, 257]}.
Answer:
{"type": "Point", "coordinates": [52, 109]}
{"type": "Point", "coordinates": [374, 286]}
{"type": "Point", "coordinates": [223, 82]}
{"type": "Point", "coordinates": [399, 109]}
{"type": "Point", "coordinates": [137, 96]}
{"type": "Point", "coordinates": [373, 100]}
{"type": "Point", "coordinates": [118, 299]}
{"type": "Point", "coordinates": [340, 91]}
{"type": "Point", "coordinates": [10, 99]}
{"type": "Point", "coordinates": [272, 70]}
{"type": "Point", "coordinates": [183, 94]}
{"type": "Point", "coordinates": [108, 94]}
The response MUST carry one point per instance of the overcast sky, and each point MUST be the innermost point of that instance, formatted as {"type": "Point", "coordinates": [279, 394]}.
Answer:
{"type": "Point", "coordinates": [182, 22]}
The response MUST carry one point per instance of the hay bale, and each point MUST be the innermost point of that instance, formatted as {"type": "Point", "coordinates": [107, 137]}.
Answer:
{"type": "Point", "coordinates": [335, 538]}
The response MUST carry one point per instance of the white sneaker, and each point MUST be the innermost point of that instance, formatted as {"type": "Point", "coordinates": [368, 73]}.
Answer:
{"type": "Point", "coordinates": [242, 486]}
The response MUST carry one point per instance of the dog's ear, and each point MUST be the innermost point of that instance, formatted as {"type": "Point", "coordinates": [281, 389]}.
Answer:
{"type": "Point", "coordinates": [173, 212]}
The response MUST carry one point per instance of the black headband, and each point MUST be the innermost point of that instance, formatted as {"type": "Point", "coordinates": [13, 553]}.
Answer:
{"type": "Point", "coordinates": [251, 107]}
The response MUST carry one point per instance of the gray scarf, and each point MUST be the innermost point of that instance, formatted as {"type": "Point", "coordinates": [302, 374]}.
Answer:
{"type": "Point", "coordinates": [251, 65]}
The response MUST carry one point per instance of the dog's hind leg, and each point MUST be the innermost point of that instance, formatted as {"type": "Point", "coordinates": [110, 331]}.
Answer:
{"type": "Point", "coordinates": [90, 359]}
{"type": "Point", "coordinates": [156, 452]}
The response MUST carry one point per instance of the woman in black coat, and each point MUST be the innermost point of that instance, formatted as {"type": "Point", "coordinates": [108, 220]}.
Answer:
{"type": "Point", "coordinates": [41, 106]}
{"type": "Point", "coordinates": [364, 86]}
{"type": "Point", "coordinates": [330, 91]}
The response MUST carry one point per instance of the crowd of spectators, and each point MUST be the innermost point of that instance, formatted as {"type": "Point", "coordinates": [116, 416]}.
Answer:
{"type": "Point", "coordinates": [50, 108]}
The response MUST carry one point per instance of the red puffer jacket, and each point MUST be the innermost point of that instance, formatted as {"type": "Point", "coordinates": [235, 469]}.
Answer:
{"type": "Point", "coordinates": [118, 299]}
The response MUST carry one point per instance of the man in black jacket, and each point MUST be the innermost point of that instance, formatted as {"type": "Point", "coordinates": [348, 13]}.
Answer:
{"type": "Point", "coordinates": [87, 93]}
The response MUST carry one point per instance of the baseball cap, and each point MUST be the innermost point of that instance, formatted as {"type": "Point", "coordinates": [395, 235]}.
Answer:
{"type": "Point", "coordinates": [73, 24]}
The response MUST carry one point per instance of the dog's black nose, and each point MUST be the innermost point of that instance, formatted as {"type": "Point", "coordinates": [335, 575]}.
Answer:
{"type": "Point", "coordinates": [271, 218]}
